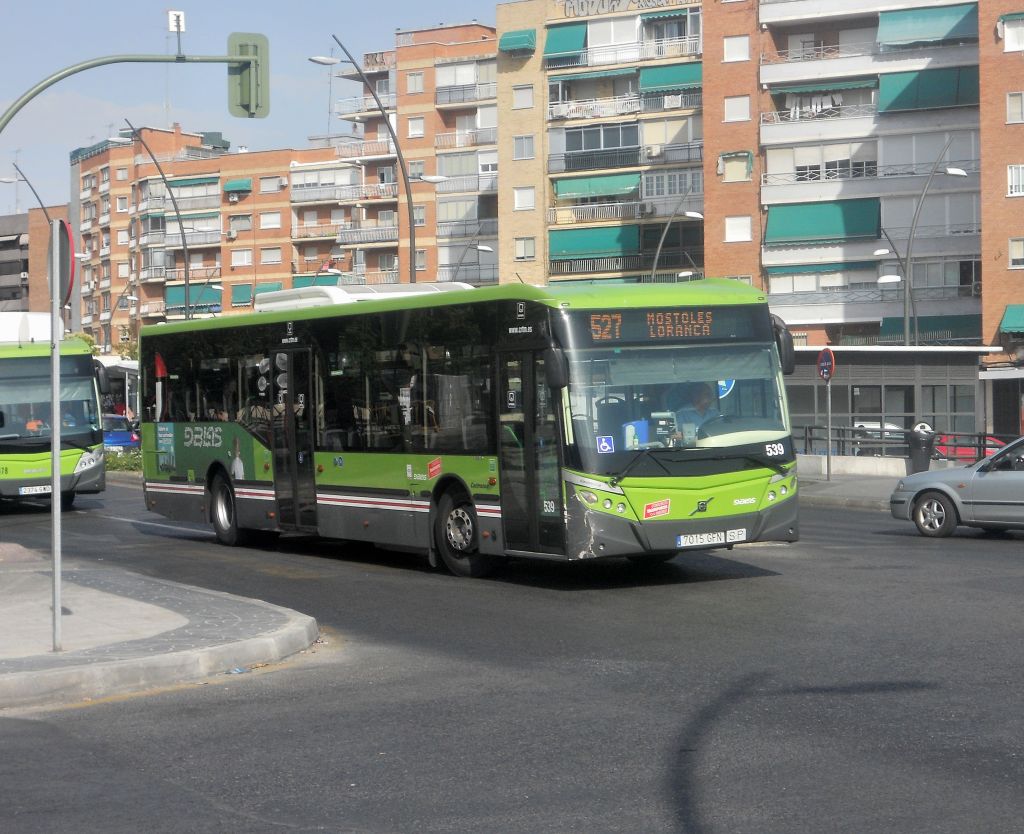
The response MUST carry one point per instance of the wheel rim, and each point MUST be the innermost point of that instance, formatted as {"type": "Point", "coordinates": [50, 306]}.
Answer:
{"type": "Point", "coordinates": [932, 515]}
{"type": "Point", "coordinates": [459, 530]}
{"type": "Point", "coordinates": [222, 508]}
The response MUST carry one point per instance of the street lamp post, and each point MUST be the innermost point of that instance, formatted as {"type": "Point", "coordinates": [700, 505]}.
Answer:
{"type": "Point", "coordinates": [696, 215]}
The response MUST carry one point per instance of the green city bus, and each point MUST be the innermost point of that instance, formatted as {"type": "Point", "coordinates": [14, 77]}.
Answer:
{"type": "Point", "coordinates": [478, 424]}
{"type": "Point", "coordinates": [25, 418]}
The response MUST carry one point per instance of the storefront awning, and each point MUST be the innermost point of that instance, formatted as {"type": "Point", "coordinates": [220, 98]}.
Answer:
{"type": "Point", "coordinates": [671, 77]}
{"type": "Point", "coordinates": [948, 87]}
{"type": "Point", "coordinates": [823, 222]}
{"type": "Point", "coordinates": [821, 269]}
{"type": "Point", "coordinates": [238, 185]}
{"type": "Point", "coordinates": [827, 87]}
{"type": "Point", "coordinates": [241, 295]}
{"type": "Point", "coordinates": [929, 25]}
{"type": "Point", "coordinates": [518, 41]}
{"type": "Point", "coordinates": [932, 330]}
{"type": "Point", "coordinates": [614, 185]}
{"type": "Point", "coordinates": [604, 241]}
{"type": "Point", "coordinates": [564, 40]}
{"type": "Point", "coordinates": [268, 286]}
{"type": "Point", "coordinates": [1013, 319]}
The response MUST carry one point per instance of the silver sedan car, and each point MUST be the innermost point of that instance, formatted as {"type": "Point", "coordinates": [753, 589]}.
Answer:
{"type": "Point", "coordinates": [988, 494]}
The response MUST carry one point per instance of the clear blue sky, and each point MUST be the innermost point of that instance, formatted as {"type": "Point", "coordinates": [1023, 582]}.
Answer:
{"type": "Point", "coordinates": [42, 38]}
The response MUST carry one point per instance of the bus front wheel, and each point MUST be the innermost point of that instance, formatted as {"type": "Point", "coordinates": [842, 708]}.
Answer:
{"type": "Point", "coordinates": [222, 512]}
{"type": "Point", "coordinates": [456, 537]}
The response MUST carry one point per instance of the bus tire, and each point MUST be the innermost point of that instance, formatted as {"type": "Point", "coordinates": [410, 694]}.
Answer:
{"type": "Point", "coordinates": [67, 500]}
{"type": "Point", "coordinates": [222, 512]}
{"type": "Point", "coordinates": [455, 534]}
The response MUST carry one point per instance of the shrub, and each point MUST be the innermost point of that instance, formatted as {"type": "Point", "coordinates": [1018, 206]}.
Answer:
{"type": "Point", "coordinates": [129, 461]}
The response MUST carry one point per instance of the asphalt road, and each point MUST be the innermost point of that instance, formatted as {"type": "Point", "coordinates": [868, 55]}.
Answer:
{"type": "Point", "coordinates": [862, 680]}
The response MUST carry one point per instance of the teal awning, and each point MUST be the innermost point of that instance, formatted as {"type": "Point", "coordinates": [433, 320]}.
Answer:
{"type": "Point", "coordinates": [821, 269]}
{"type": "Point", "coordinates": [268, 286]}
{"type": "Point", "coordinates": [1013, 319]}
{"type": "Point", "coordinates": [928, 25]}
{"type": "Point", "coordinates": [671, 77]}
{"type": "Point", "coordinates": [238, 185]}
{"type": "Point", "coordinates": [521, 40]}
{"type": "Point", "coordinates": [823, 222]}
{"type": "Point", "coordinates": [949, 87]}
{"type": "Point", "coordinates": [199, 295]}
{"type": "Point", "coordinates": [1011, 16]}
{"type": "Point", "coordinates": [604, 241]}
{"type": "Point", "coordinates": [194, 181]}
{"type": "Point", "coordinates": [614, 185]}
{"type": "Point", "coordinates": [195, 215]}
{"type": "Point", "coordinates": [241, 295]}
{"type": "Point", "coordinates": [323, 280]}
{"type": "Point", "coordinates": [932, 329]}
{"type": "Point", "coordinates": [587, 76]}
{"type": "Point", "coordinates": [827, 86]}
{"type": "Point", "coordinates": [564, 40]}
{"type": "Point", "coordinates": [678, 12]}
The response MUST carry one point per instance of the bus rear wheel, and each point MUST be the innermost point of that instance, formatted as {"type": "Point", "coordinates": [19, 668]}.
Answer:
{"type": "Point", "coordinates": [222, 512]}
{"type": "Point", "coordinates": [455, 534]}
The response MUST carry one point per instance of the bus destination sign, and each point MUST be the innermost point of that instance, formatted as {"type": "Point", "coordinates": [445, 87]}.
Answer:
{"type": "Point", "coordinates": [674, 325]}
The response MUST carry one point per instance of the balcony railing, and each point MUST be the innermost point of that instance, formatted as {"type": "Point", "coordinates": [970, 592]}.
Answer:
{"type": "Point", "coordinates": [152, 238]}
{"type": "Point", "coordinates": [627, 53]}
{"type": "Point", "coordinates": [806, 114]}
{"type": "Point", "coordinates": [476, 274]}
{"type": "Point", "coordinates": [205, 201]}
{"type": "Point", "coordinates": [104, 284]}
{"type": "Point", "coordinates": [321, 230]}
{"type": "Point", "coordinates": [487, 227]}
{"type": "Point", "coordinates": [487, 183]}
{"type": "Point", "coordinates": [465, 93]}
{"type": "Point", "coordinates": [389, 276]}
{"type": "Point", "coordinates": [105, 251]}
{"type": "Point", "coordinates": [152, 203]}
{"type": "Point", "coordinates": [467, 138]}
{"type": "Point", "coordinates": [367, 234]}
{"type": "Point", "coordinates": [595, 108]}
{"type": "Point", "coordinates": [864, 170]}
{"type": "Point", "coordinates": [207, 237]}
{"type": "Point", "coordinates": [641, 262]}
{"type": "Point", "coordinates": [152, 308]}
{"type": "Point", "coordinates": [371, 191]}
{"type": "Point", "coordinates": [368, 147]}
{"type": "Point", "coordinates": [104, 219]}
{"type": "Point", "coordinates": [625, 157]}
{"type": "Point", "coordinates": [87, 319]}
{"type": "Point", "coordinates": [195, 273]}
{"type": "Point", "coordinates": [366, 104]}
{"type": "Point", "coordinates": [152, 273]}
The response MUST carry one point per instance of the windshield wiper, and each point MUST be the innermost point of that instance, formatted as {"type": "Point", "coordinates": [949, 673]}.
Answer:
{"type": "Point", "coordinates": [615, 479]}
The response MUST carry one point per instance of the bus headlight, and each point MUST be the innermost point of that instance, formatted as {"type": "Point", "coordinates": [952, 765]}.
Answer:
{"type": "Point", "coordinates": [607, 503]}
{"type": "Point", "coordinates": [89, 460]}
{"type": "Point", "coordinates": [620, 508]}
{"type": "Point", "coordinates": [771, 495]}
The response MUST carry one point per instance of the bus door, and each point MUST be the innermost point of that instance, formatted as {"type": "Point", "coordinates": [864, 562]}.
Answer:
{"type": "Point", "coordinates": [293, 439]}
{"type": "Point", "coordinates": [531, 484]}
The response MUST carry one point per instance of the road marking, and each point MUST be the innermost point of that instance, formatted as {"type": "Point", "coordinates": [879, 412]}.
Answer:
{"type": "Point", "coordinates": [152, 524]}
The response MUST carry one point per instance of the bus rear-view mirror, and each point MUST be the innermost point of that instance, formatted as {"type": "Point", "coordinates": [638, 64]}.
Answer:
{"type": "Point", "coordinates": [784, 342]}
{"type": "Point", "coordinates": [556, 368]}
{"type": "Point", "coordinates": [102, 380]}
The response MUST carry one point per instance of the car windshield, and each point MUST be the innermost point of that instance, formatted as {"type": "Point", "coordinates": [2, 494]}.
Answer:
{"type": "Point", "coordinates": [629, 400]}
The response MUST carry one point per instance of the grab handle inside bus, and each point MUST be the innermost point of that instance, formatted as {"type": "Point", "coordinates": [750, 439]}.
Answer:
{"type": "Point", "coordinates": [556, 368]}
{"type": "Point", "coordinates": [102, 380]}
{"type": "Point", "coordinates": [784, 342]}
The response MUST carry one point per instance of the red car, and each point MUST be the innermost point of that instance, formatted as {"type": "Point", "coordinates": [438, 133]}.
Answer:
{"type": "Point", "coordinates": [960, 447]}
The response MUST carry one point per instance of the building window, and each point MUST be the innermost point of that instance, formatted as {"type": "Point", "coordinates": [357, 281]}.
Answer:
{"type": "Point", "coordinates": [419, 215]}
{"type": "Point", "coordinates": [1013, 35]}
{"type": "Point", "coordinates": [737, 229]}
{"type": "Point", "coordinates": [736, 166]}
{"type": "Point", "coordinates": [416, 168]}
{"type": "Point", "coordinates": [1014, 107]}
{"type": "Point", "coordinates": [522, 147]}
{"type": "Point", "coordinates": [414, 82]}
{"type": "Point", "coordinates": [1014, 180]}
{"type": "Point", "coordinates": [1017, 253]}
{"type": "Point", "coordinates": [270, 220]}
{"type": "Point", "coordinates": [525, 198]}
{"type": "Point", "coordinates": [416, 127]}
{"type": "Point", "coordinates": [421, 260]}
{"type": "Point", "coordinates": [736, 48]}
{"type": "Point", "coordinates": [526, 248]}
{"type": "Point", "coordinates": [737, 109]}
{"type": "Point", "coordinates": [269, 185]}
{"type": "Point", "coordinates": [122, 174]}
{"type": "Point", "coordinates": [241, 257]}
{"type": "Point", "coordinates": [122, 269]}
{"type": "Point", "coordinates": [522, 97]}
{"type": "Point", "coordinates": [122, 237]}
{"type": "Point", "coordinates": [270, 255]}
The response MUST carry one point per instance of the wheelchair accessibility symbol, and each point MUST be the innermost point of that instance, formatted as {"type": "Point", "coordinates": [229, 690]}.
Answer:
{"type": "Point", "coordinates": [605, 444]}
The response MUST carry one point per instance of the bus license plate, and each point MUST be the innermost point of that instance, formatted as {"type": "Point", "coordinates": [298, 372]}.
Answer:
{"type": "Point", "coordinates": [707, 539]}
{"type": "Point", "coordinates": [34, 490]}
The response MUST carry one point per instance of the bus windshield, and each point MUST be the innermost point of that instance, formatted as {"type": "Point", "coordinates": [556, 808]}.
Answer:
{"type": "Point", "coordinates": [25, 417]}
{"type": "Point", "coordinates": [631, 399]}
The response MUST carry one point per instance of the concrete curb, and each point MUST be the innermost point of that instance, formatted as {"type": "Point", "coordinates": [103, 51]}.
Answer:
{"type": "Point", "coordinates": [128, 478]}
{"type": "Point", "coordinates": [844, 502]}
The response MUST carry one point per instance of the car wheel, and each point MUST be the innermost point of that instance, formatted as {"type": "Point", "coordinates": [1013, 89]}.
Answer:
{"type": "Point", "coordinates": [455, 534]}
{"type": "Point", "coordinates": [935, 515]}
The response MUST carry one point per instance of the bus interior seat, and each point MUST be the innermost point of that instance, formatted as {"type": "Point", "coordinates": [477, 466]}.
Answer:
{"type": "Point", "coordinates": [612, 412]}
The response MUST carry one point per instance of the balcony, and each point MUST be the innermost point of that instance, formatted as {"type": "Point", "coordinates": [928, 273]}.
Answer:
{"type": "Point", "coordinates": [867, 303]}
{"type": "Point", "coordinates": [155, 238]}
{"type": "Point", "coordinates": [466, 138]}
{"type": "Point", "coordinates": [87, 319]}
{"type": "Point", "coordinates": [321, 193]}
{"type": "Point", "coordinates": [150, 274]}
{"type": "Point", "coordinates": [487, 227]}
{"type": "Point", "coordinates": [367, 148]}
{"type": "Point", "coordinates": [104, 187]}
{"type": "Point", "coordinates": [596, 108]}
{"type": "Point", "coordinates": [151, 309]}
{"type": "Point", "coordinates": [85, 193]}
{"type": "Point", "coordinates": [195, 273]}
{"type": "Point", "coordinates": [104, 219]}
{"type": "Point", "coordinates": [475, 274]}
{"type": "Point", "coordinates": [86, 224]}
{"type": "Point", "coordinates": [625, 157]}
{"type": "Point", "coordinates": [151, 204]}
{"type": "Point", "coordinates": [104, 284]}
{"type": "Point", "coordinates": [105, 251]}
{"type": "Point", "coordinates": [367, 232]}
{"type": "Point", "coordinates": [627, 53]}
{"type": "Point", "coordinates": [357, 105]}
{"type": "Point", "coordinates": [465, 93]}
{"type": "Point", "coordinates": [372, 62]}
{"type": "Point", "coordinates": [207, 201]}
{"type": "Point", "coordinates": [389, 276]}
{"type": "Point", "coordinates": [318, 230]}
{"type": "Point", "coordinates": [371, 191]}
{"type": "Point", "coordinates": [653, 207]}
{"type": "Point", "coordinates": [670, 261]}
{"type": "Point", "coordinates": [483, 183]}
{"type": "Point", "coordinates": [105, 316]}
{"type": "Point", "coordinates": [206, 237]}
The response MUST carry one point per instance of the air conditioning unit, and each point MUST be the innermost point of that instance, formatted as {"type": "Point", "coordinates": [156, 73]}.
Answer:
{"type": "Point", "coordinates": [652, 151]}
{"type": "Point", "coordinates": [672, 102]}
{"type": "Point", "coordinates": [233, 197]}
{"type": "Point", "coordinates": [647, 209]}
{"type": "Point", "coordinates": [232, 235]}
{"type": "Point", "coordinates": [559, 111]}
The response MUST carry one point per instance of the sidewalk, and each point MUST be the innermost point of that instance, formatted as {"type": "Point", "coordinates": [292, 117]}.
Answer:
{"type": "Point", "coordinates": [124, 632]}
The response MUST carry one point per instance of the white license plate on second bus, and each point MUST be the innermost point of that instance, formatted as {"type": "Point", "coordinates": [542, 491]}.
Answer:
{"type": "Point", "coordinates": [34, 490]}
{"type": "Point", "coordinates": [707, 539]}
